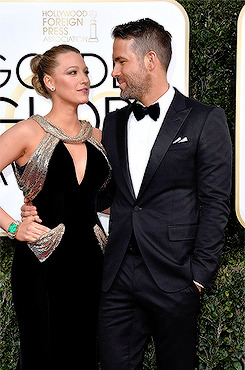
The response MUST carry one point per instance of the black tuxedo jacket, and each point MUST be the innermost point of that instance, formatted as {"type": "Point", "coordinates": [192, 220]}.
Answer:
{"type": "Point", "coordinates": [182, 208]}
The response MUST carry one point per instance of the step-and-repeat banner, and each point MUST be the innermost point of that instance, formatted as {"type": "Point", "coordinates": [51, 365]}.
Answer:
{"type": "Point", "coordinates": [28, 28]}
{"type": "Point", "coordinates": [240, 120]}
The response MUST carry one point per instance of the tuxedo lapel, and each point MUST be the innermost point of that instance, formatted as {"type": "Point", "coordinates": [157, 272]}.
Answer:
{"type": "Point", "coordinates": [172, 123]}
{"type": "Point", "coordinates": [122, 145]}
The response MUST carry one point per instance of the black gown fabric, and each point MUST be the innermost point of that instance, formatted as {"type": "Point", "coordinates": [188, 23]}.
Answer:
{"type": "Point", "coordinates": [56, 301]}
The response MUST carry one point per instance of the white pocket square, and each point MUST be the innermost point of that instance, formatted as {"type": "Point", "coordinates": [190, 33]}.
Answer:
{"type": "Point", "coordinates": [180, 140]}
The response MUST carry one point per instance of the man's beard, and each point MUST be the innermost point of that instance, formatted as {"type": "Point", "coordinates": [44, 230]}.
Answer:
{"type": "Point", "coordinates": [137, 86]}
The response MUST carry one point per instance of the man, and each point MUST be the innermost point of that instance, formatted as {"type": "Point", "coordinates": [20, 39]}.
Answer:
{"type": "Point", "coordinates": [172, 174]}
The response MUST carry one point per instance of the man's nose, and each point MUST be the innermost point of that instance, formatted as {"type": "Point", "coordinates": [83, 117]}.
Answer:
{"type": "Point", "coordinates": [115, 72]}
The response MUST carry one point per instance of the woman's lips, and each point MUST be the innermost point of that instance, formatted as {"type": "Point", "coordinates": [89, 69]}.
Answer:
{"type": "Point", "coordinates": [85, 90]}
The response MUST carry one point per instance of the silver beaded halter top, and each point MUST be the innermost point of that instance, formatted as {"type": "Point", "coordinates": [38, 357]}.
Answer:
{"type": "Point", "coordinates": [32, 179]}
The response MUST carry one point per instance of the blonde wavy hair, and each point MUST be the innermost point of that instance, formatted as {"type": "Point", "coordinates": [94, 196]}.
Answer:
{"type": "Point", "coordinates": [45, 64]}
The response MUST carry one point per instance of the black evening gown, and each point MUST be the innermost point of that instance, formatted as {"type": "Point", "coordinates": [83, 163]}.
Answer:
{"type": "Point", "coordinates": [57, 301]}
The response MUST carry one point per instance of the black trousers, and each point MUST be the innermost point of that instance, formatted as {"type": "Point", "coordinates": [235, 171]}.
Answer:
{"type": "Point", "coordinates": [135, 307]}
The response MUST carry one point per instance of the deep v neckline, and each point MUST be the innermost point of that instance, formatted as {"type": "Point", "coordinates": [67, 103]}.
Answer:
{"type": "Point", "coordinates": [74, 166]}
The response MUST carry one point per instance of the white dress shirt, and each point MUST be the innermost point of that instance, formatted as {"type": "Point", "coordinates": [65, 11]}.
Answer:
{"type": "Point", "coordinates": [141, 137]}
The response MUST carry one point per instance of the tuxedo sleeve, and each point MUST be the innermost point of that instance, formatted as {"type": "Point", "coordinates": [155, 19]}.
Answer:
{"type": "Point", "coordinates": [106, 197]}
{"type": "Point", "coordinates": [214, 176]}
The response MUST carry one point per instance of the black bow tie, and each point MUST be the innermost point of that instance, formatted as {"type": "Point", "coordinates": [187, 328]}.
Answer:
{"type": "Point", "coordinates": [140, 112]}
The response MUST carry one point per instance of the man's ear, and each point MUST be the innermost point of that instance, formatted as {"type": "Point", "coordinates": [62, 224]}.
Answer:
{"type": "Point", "coordinates": [150, 60]}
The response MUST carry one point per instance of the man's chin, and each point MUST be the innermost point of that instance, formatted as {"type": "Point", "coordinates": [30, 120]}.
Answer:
{"type": "Point", "coordinates": [125, 95]}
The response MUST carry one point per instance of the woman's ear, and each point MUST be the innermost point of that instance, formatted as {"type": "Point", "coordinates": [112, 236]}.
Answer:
{"type": "Point", "coordinates": [49, 82]}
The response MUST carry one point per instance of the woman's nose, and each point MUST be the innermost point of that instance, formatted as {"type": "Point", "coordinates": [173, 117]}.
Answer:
{"type": "Point", "coordinates": [84, 78]}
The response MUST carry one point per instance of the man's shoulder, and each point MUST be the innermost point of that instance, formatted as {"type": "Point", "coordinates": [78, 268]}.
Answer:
{"type": "Point", "coordinates": [120, 111]}
{"type": "Point", "coordinates": [197, 104]}
{"type": "Point", "coordinates": [113, 120]}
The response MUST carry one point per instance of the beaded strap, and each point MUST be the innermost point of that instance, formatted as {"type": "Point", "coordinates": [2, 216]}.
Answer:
{"type": "Point", "coordinates": [32, 179]}
{"type": "Point", "coordinates": [100, 147]}
{"type": "Point", "coordinates": [84, 134]}
{"type": "Point", "coordinates": [101, 237]}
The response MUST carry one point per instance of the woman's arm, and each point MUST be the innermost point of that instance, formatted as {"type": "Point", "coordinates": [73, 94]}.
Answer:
{"type": "Point", "coordinates": [16, 144]}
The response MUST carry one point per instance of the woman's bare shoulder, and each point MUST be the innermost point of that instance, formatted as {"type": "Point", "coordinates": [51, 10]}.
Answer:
{"type": "Point", "coordinates": [97, 134]}
{"type": "Point", "coordinates": [18, 142]}
{"type": "Point", "coordinates": [27, 127]}
{"type": "Point", "coordinates": [24, 135]}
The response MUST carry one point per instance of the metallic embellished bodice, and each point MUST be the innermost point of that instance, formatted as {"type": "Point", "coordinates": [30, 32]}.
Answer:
{"type": "Point", "coordinates": [33, 177]}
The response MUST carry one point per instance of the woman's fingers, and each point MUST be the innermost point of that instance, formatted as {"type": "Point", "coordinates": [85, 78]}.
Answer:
{"type": "Point", "coordinates": [35, 230]}
{"type": "Point", "coordinates": [37, 219]}
{"type": "Point", "coordinates": [29, 230]}
{"type": "Point", "coordinates": [28, 210]}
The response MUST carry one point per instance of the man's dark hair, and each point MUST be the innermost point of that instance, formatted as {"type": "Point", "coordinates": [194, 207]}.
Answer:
{"type": "Point", "coordinates": [148, 35]}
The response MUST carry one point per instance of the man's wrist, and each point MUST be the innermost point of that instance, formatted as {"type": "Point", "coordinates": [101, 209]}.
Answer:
{"type": "Point", "coordinates": [198, 285]}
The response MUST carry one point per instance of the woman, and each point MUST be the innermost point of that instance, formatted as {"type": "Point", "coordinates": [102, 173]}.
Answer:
{"type": "Point", "coordinates": [60, 166]}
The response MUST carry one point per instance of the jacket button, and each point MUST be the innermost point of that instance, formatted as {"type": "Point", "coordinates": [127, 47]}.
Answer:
{"type": "Point", "coordinates": [137, 209]}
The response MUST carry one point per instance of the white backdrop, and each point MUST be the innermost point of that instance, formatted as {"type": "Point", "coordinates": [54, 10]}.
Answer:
{"type": "Point", "coordinates": [28, 28]}
{"type": "Point", "coordinates": [240, 121]}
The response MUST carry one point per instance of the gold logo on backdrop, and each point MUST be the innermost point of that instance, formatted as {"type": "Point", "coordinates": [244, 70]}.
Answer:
{"type": "Point", "coordinates": [93, 26]}
{"type": "Point", "coordinates": [63, 26]}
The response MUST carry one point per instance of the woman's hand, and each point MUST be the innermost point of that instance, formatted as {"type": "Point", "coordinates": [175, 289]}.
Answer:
{"type": "Point", "coordinates": [29, 230]}
{"type": "Point", "coordinates": [28, 209]}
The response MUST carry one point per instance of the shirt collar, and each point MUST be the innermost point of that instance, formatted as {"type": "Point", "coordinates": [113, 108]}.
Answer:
{"type": "Point", "coordinates": [164, 100]}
